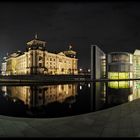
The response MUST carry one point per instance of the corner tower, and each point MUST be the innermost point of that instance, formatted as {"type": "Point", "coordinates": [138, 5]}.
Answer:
{"type": "Point", "coordinates": [74, 61]}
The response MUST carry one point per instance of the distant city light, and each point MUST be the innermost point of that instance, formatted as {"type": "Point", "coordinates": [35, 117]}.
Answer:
{"type": "Point", "coordinates": [5, 94]}
{"type": "Point", "coordinates": [130, 98]}
{"type": "Point", "coordinates": [80, 87]}
{"type": "Point", "coordinates": [88, 70]}
{"type": "Point", "coordinates": [14, 100]}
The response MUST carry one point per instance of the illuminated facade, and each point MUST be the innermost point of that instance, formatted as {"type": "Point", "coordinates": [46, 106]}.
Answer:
{"type": "Point", "coordinates": [115, 65]}
{"type": "Point", "coordinates": [3, 66]}
{"type": "Point", "coordinates": [120, 66]}
{"type": "Point", "coordinates": [98, 63]}
{"type": "Point", "coordinates": [136, 64]}
{"type": "Point", "coordinates": [36, 60]}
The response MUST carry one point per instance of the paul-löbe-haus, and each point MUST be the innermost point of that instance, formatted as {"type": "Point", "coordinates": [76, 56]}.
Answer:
{"type": "Point", "coordinates": [36, 60]}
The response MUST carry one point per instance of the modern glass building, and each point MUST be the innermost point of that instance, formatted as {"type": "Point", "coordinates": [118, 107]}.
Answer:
{"type": "Point", "coordinates": [98, 63]}
{"type": "Point", "coordinates": [115, 66]}
{"type": "Point", "coordinates": [120, 66]}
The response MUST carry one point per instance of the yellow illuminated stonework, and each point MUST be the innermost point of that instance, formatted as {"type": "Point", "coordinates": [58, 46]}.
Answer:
{"type": "Point", "coordinates": [36, 60]}
{"type": "Point", "coordinates": [42, 95]}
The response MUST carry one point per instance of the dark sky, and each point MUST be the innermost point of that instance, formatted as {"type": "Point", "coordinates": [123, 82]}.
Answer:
{"type": "Point", "coordinates": [113, 26]}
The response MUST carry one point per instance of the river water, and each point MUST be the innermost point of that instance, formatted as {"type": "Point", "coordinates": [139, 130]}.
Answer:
{"type": "Point", "coordinates": [49, 101]}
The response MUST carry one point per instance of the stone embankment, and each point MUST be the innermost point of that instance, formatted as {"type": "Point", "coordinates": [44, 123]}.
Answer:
{"type": "Point", "coordinates": [119, 121]}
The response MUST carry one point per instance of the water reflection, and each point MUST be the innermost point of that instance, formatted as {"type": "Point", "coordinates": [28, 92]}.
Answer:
{"type": "Point", "coordinates": [65, 99]}
{"type": "Point", "coordinates": [119, 92]}
{"type": "Point", "coordinates": [98, 95]}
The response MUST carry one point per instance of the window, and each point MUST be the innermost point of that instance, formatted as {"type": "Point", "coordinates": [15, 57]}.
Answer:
{"type": "Point", "coordinates": [120, 58]}
{"type": "Point", "coordinates": [62, 87]}
{"type": "Point", "coordinates": [62, 70]}
{"type": "Point", "coordinates": [40, 58]}
{"type": "Point", "coordinates": [118, 75]}
{"type": "Point", "coordinates": [40, 64]}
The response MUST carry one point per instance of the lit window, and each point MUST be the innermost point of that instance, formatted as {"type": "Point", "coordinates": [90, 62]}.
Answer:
{"type": "Point", "coordinates": [40, 58]}
{"type": "Point", "coordinates": [40, 64]}
{"type": "Point", "coordinates": [123, 84]}
{"type": "Point", "coordinates": [119, 75]}
{"type": "Point", "coordinates": [123, 75]}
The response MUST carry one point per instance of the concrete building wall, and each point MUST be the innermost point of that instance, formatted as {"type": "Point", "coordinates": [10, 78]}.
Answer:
{"type": "Point", "coordinates": [98, 63]}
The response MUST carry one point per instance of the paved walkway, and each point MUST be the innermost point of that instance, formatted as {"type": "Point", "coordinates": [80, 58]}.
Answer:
{"type": "Point", "coordinates": [119, 121]}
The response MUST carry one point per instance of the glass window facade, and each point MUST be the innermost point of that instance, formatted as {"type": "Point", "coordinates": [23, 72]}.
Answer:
{"type": "Point", "coordinates": [119, 75]}
{"type": "Point", "coordinates": [120, 57]}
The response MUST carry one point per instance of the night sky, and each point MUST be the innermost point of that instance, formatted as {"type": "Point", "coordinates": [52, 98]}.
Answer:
{"type": "Point", "coordinates": [113, 26]}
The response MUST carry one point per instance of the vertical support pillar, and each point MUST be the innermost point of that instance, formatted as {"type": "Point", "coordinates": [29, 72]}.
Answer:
{"type": "Point", "coordinates": [106, 65]}
{"type": "Point", "coordinates": [92, 96]}
{"type": "Point", "coordinates": [93, 62]}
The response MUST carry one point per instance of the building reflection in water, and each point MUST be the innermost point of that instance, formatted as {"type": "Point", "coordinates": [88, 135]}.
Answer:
{"type": "Point", "coordinates": [98, 95]}
{"type": "Point", "coordinates": [65, 99]}
{"type": "Point", "coordinates": [122, 91]}
{"type": "Point", "coordinates": [34, 96]}
{"type": "Point", "coordinates": [56, 100]}
{"type": "Point", "coordinates": [108, 94]}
